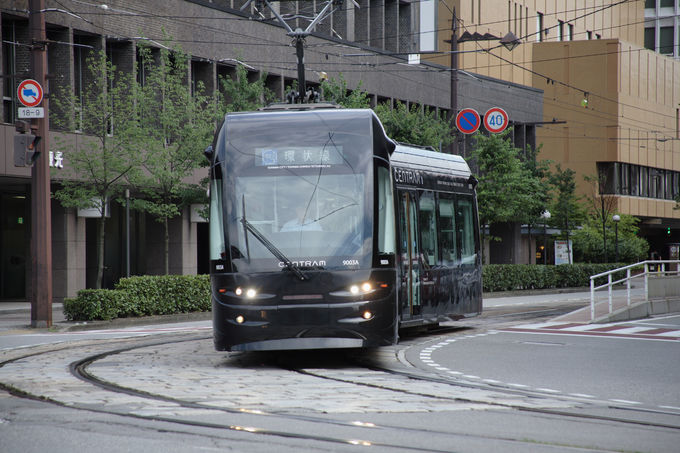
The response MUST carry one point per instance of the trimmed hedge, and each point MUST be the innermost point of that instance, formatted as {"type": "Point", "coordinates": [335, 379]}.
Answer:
{"type": "Point", "coordinates": [510, 277]}
{"type": "Point", "coordinates": [141, 296]}
{"type": "Point", "coordinates": [167, 294]}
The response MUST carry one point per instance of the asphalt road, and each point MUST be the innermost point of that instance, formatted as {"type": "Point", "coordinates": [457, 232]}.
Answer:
{"type": "Point", "coordinates": [506, 381]}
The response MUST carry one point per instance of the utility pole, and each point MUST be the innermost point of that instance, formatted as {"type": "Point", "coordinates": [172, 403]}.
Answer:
{"type": "Point", "coordinates": [41, 214]}
{"type": "Point", "coordinates": [454, 77]}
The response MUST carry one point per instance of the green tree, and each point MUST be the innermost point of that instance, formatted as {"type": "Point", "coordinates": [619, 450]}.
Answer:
{"type": "Point", "coordinates": [238, 94]}
{"type": "Point", "coordinates": [602, 205]}
{"type": "Point", "coordinates": [538, 182]}
{"type": "Point", "coordinates": [566, 209]}
{"type": "Point", "coordinates": [97, 167]}
{"type": "Point", "coordinates": [335, 90]}
{"type": "Point", "coordinates": [589, 244]}
{"type": "Point", "coordinates": [424, 128]}
{"type": "Point", "coordinates": [508, 191]}
{"type": "Point", "coordinates": [178, 125]}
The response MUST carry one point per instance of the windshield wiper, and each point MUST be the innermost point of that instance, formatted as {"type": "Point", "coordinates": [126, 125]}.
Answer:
{"type": "Point", "coordinates": [268, 244]}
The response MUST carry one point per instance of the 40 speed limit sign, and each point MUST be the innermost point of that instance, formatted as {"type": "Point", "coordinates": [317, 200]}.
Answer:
{"type": "Point", "coordinates": [495, 120]}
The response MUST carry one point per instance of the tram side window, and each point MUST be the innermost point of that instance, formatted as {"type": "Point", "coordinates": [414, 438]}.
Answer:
{"type": "Point", "coordinates": [386, 228]}
{"type": "Point", "coordinates": [216, 221]}
{"type": "Point", "coordinates": [466, 229]}
{"type": "Point", "coordinates": [427, 221]}
{"type": "Point", "coordinates": [447, 232]}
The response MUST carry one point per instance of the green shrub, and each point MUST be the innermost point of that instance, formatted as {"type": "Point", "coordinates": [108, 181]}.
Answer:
{"type": "Point", "coordinates": [509, 277]}
{"type": "Point", "coordinates": [142, 296]}
{"type": "Point", "coordinates": [94, 304]}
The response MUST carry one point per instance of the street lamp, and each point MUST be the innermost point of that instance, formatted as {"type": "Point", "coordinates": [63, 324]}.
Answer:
{"type": "Point", "coordinates": [545, 215]}
{"type": "Point", "coordinates": [616, 218]}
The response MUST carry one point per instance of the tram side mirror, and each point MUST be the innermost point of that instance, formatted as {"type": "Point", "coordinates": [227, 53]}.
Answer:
{"type": "Point", "coordinates": [209, 153]}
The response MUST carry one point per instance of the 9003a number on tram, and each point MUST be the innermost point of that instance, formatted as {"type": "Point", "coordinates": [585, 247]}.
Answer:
{"type": "Point", "coordinates": [324, 233]}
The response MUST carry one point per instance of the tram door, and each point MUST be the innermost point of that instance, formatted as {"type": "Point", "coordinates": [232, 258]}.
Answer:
{"type": "Point", "coordinates": [410, 253]}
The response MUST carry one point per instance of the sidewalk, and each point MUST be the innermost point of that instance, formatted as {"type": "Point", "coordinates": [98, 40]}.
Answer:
{"type": "Point", "coordinates": [17, 316]}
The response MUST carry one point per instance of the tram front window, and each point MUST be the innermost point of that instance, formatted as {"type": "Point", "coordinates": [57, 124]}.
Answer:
{"type": "Point", "coordinates": [314, 219]}
{"type": "Point", "coordinates": [299, 186]}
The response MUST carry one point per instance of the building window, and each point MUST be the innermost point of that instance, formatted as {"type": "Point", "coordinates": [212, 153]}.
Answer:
{"type": "Point", "coordinates": [589, 35]}
{"type": "Point", "coordinates": [570, 28]}
{"type": "Point", "coordinates": [650, 3]}
{"type": "Point", "coordinates": [650, 37]}
{"type": "Point", "coordinates": [80, 52]}
{"type": "Point", "coordinates": [539, 27]}
{"type": "Point", "coordinates": [666, 3]}
{"type": "Point", "coordinates": [9, 67]}
{"type": "Point", "coordinates": [428, 25]}
{"type": "Point", "coordinates": [666, 40]}
{"type": "Point", "coordinates": [560, 30]}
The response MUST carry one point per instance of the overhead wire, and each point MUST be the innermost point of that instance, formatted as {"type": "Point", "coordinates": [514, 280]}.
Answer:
{"type": "Point", "coordinates": [363, 64]}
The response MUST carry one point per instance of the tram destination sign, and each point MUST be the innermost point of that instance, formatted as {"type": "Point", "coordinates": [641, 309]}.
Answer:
{"type": "Point", "coordinates": [298, 157]}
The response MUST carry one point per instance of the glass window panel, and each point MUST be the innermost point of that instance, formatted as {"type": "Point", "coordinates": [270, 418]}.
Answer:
{"type": "Point", "coordinates": [650, 34]}
{"type": "Point", "coordinates": [666, 40]}
{"type": "Point", "coordinates": [386, 227]}
{"type": "Point", "coordinates": [466, 228]}
{"type": "Point", "coordinates": [447, 229]}
{"type": "Point", "coordinates": [634, 180]}
{"type": "Point", "coordinates": [427, 223]}
{"type": "Point", "coordinates": [216, 222]}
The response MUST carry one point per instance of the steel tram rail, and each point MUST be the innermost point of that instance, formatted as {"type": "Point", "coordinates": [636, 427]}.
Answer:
{"type": "Point", "coordinates": [79, 369]}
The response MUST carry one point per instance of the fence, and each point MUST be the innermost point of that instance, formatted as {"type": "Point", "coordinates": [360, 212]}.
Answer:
{"type": "Point", "coordinates": [660, 268]}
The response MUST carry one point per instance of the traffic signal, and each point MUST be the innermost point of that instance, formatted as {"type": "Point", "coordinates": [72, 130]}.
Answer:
{"type": "Point", "coordinates": [25, 145]}
{"type": "Point", "coordinates": [25, 150]}
{"type": "Point", "coordinates": [668, 231]}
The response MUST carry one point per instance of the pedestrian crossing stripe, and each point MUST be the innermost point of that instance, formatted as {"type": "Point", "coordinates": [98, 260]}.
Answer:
{"type": "Point", "coordinates": [622, 330]}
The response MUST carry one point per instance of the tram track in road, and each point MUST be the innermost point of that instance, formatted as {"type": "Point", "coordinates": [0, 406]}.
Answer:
{"type": "Point", "coordinates": [256, 422]}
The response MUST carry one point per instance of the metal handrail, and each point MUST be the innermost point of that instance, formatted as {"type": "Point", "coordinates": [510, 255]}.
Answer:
{"type": "Point", "coordinates": [658, 264]}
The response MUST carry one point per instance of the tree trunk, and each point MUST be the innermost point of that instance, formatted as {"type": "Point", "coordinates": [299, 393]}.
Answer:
{"type": "Point", "coordinates": [101, 235]}
{"type": "Point", "coordinates": [166, 244]}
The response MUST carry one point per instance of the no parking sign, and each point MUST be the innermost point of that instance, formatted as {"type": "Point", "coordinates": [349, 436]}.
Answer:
{"type": "Point", "coordinates": [468, 121]}
{"type": "Point", "coordinates": [30, 93]}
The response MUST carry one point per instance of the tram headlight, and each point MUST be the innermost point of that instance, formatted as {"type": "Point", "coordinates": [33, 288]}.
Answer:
{"type": "Point", "coordinates": [358, 289]}
{"type": "Point", "coordinates": [367, 315]}
{"type": "Point", "coordinates": [240, 319]}
{"type": "Point", "coordinates": [249, 293]}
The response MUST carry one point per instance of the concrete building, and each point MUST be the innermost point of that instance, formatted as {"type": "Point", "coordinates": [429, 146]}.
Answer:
{"type": "Point", "coordinates": [368, 45]}
{"type": "Point", "coordinates": [609, 105]}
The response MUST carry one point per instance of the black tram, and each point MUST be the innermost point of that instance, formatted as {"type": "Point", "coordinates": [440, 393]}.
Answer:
{"type": "Point", "coordinates": [324, 233]}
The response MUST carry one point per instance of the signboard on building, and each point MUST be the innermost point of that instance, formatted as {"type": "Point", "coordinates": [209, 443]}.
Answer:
{"type": "Point", "coordinates": [564, 253]}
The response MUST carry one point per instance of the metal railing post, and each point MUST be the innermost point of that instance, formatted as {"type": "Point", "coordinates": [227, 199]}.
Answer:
{"type": "Point", "coordinates": [646, 281]}
{"type": "Point", "coordinates": [628, 286]}
{"type": "Point", "coordinates": [592, 298]}
{"type": "Point", "coordinates": [609, 282]}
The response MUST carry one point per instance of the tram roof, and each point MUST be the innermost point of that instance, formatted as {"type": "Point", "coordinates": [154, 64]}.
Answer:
{"type": "Point", "coordinates": [430, 161]}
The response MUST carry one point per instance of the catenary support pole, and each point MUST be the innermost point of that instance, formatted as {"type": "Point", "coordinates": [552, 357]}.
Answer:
{"type": "Point", "coordinates": [41, 214]}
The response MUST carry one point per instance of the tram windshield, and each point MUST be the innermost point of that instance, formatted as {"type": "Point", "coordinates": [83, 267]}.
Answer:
{"type": "Point", "coordinates": [300, 191]}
